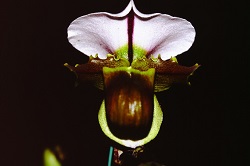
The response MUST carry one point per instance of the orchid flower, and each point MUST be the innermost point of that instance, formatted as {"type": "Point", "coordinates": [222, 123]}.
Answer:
{"type": "Point", "coordinates": [131, 56]}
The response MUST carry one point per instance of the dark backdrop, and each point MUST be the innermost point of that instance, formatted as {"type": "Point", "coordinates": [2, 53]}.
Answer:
{"type": "Point", "coordinates": [204, 124]}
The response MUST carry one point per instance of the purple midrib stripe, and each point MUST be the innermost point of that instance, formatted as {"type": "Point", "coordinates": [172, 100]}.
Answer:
{"type": "Point", "coordinates": [130, 24]}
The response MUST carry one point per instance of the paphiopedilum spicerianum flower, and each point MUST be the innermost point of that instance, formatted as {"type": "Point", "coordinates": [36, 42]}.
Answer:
{"type": "Point", "coordinates": [132, 55]}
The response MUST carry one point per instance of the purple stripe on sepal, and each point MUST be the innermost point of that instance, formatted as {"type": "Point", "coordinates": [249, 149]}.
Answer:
{"type": "Point", "coordinates": [130, 23]}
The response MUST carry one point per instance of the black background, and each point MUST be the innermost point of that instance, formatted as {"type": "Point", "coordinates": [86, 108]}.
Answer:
{"type": "Point", "coordinates": [204, 124]}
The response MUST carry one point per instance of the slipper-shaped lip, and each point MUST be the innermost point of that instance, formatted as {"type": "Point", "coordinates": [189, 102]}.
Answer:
{"type": "Point", "coordinates": [155, 128]}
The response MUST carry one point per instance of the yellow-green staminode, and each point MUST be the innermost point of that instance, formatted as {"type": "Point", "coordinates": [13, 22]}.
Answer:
{"type": "Point", "coordinates": [138, 52]}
